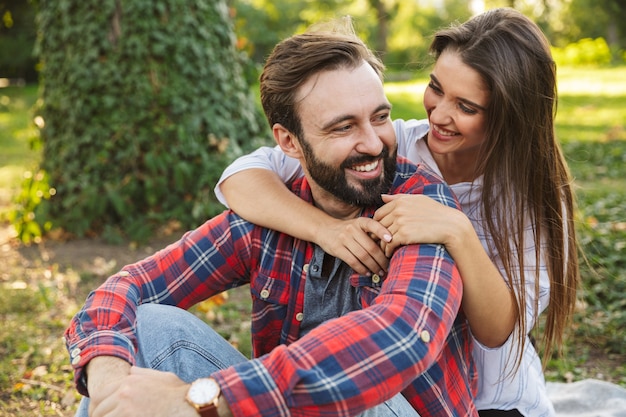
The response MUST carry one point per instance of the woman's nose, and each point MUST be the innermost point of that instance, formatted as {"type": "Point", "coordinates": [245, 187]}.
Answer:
{"type": "Point", "coordinates": [441, 112]}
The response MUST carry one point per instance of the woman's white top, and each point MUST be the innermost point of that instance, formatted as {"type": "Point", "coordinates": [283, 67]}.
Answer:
{"type": "Point", "coordinates": [499, 388]}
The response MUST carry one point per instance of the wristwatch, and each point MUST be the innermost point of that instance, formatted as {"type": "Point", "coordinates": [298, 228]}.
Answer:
{"type": "Point", "coordinates": [203, 395]}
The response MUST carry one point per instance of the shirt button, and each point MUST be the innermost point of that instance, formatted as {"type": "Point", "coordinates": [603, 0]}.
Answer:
{"type": "Point", "coordinates": [265, 294]}
{"type": "Point", "coordinates": [75, 360]}
{"type": "Point", "coordinates": [425, 336]}
{"type": "Point", "coordinates": [305, 268]}
{"type": "Point", "coordinates": [75, 352]}
{"type": "Point", "coordinates": [375, 279]}
{"type": "Point", "coordinates": [299, 316]}
{"type": "Point", "coordinates": [124, 274]}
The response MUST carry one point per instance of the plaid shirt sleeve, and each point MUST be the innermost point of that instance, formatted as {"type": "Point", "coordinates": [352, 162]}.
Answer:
{"type": "Point", "coordinates": [176, 275]}
{"type": "Point", "coordinates": [355, 362]}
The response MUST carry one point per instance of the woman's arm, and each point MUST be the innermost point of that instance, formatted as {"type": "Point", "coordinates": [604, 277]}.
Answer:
{"type": "Point", "coordinates": [257, 193]}
{"type": "Point", "coordinates": [272, 159]}
{"type": "Point", "coordinates": [488, 302]}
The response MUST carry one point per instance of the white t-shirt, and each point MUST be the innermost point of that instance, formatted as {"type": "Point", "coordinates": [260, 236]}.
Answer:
{"type": "Point", "coordinates": [498, 389]}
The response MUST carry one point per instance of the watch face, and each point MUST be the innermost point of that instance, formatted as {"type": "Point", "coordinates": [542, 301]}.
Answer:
{"type": "Point", "coordinates": [203, 391]}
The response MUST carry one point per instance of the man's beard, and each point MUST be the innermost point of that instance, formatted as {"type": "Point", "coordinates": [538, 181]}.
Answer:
{"type": "Point", "coordinates": [334, 179]}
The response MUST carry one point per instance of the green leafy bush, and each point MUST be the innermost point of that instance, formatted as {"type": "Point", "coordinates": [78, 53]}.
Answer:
{"type": "Point", "coordinates": [143, 104]}
{"type": "Point", "coordinates": [585, 52]}
{"type": "Point", "coordinates": [17, 38]}
{"type": "Point", "coordinates": [26, 204]}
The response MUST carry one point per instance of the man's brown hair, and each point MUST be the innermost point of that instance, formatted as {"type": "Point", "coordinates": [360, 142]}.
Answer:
{"type": "Point", "coordinates": [293, 61]}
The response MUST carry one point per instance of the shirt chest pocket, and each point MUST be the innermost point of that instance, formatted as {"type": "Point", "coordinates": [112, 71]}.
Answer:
{"type": "Point", "coordinates": [270, 290]}
{"type": "Point", "coordinates": [270, 297]}
{"type": "Point", "coordinates": [369, 288]}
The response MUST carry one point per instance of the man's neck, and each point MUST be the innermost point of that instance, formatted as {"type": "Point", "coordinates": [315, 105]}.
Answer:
{"type": "Point", "coordinates": [333, 206]}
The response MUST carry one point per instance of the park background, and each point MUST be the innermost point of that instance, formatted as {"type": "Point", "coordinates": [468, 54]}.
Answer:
{"type": "Point", "coordinates": [116, 120]}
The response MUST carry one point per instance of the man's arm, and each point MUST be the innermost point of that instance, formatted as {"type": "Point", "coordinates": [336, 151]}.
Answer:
{"type": "Point", "coordinates": [105, 374]}
{"type": "Point", "coordinates": [352, 363]}
{"type": "Point", "coordinates": [137, 391]}
{"type": "Point", "coordinates": [488, 302]}
{"type": "Point", "coordinates": [183, 274]}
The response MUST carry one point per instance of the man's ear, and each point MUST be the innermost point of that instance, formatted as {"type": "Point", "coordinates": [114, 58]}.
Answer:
{"type": "Point", "coordinates": [286, 140]}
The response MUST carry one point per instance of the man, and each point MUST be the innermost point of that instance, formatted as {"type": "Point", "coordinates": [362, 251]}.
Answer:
{"type": "Point", "coordinates": [326, 341]}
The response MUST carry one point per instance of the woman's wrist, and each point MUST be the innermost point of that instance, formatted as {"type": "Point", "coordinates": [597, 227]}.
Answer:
{"type": "Point", "coordinates": [460, 231]}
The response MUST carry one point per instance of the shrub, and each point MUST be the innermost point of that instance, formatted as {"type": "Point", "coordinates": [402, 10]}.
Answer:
{"type": "Point", "coordinates": [17, 37]}
{"type": "Point", "coordinates": [143, 104]}
{"type": "Point", "coordinates": [585, 52]}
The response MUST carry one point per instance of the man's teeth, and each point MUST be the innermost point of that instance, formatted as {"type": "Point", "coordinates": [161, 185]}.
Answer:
{"type": "Point", "coordinates": [366, 168]}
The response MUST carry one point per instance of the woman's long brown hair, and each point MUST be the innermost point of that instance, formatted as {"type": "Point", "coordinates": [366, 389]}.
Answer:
{"type": "Point", "coordinates": [525, 175]}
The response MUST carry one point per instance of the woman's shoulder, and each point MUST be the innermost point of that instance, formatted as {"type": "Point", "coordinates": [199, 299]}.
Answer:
{"type": "Point", "coordinates": [408, 134]}
{"type": "Point", "coordinates": [412, 129]}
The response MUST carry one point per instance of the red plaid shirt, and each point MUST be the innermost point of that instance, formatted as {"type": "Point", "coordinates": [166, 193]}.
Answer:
{"type": "Point", "coordinates": [409, 336]}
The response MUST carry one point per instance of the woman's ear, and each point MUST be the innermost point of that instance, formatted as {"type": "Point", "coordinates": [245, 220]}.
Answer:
{"type": "Point", "coordinates": [286, 140]}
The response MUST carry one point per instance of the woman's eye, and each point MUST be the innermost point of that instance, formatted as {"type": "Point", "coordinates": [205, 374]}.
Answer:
{"type": "Point", "coordinates": [436, 89]}
{"type": "Point", "coordinates": [466, 109]}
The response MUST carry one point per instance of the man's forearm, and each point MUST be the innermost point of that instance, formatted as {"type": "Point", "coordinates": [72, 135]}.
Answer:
{"type": "Point", "coordinates": [104, 370]}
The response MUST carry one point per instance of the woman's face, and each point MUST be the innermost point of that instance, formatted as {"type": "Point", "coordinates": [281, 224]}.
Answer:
{"type": "Point", "coordinates": [455, 100]}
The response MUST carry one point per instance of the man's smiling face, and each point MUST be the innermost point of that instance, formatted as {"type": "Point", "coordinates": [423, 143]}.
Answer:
{"type": "Point", "coordinates": [349, 145]}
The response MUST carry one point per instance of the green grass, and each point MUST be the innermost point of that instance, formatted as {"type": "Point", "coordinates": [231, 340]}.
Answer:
{"type": "Point", "coordinates": [17, 131]}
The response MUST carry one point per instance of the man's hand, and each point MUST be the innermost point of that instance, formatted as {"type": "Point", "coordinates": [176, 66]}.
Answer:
{"type": "Point", "coordinates": [143, 392]}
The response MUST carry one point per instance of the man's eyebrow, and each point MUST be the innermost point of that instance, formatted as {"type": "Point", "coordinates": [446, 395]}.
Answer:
{"type": "Point", "coordinates": [344, 117]}
{"type": "Point", "coordinates": [464, 100]}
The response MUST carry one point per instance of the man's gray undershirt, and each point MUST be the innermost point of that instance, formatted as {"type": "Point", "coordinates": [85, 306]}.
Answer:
{"type": "Point", "coordinates": [330, 296]}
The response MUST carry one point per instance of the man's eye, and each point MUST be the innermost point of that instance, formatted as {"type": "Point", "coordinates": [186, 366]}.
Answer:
{"type": "Point", "coordinates": [343, 128]}
{"type": "Point", "coordinates": [382, 117]}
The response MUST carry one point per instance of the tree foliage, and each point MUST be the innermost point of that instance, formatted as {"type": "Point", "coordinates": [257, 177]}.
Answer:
{"type": "Point", "coordinates": [566, 22]}
{"type": "Point", "coordinates": [597, 18]}
{"type": "Point", "coordinates": [143, 103]}
{"type": "Point", "coordinates": [17, 39]}
{"type": "Point", "coordinates": [398, 30]}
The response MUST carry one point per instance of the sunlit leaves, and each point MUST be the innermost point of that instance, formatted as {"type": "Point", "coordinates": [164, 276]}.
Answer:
{"type": "Point", "coordinates": [132, 93]}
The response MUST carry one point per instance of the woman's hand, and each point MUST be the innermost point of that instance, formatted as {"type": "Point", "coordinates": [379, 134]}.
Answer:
{"type": "Point", "coordinates": [415, 218]}
{"type": "Point", "coordinates": [356, 242]}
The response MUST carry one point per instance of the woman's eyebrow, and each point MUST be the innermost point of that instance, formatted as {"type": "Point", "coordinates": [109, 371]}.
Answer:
{"type": "Point", "coordinates": [464, 100]}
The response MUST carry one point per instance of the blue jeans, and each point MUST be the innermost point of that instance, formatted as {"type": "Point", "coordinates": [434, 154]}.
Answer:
{"type": "Point", "coordinates": [174, 340]}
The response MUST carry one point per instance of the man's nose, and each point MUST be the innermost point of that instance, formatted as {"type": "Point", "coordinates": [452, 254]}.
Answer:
{"type": "Point", "coordinates": [370, 142]}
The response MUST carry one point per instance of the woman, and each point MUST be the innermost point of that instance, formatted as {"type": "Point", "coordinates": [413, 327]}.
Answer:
{"type": "Point", "coordinates": [490, 102]}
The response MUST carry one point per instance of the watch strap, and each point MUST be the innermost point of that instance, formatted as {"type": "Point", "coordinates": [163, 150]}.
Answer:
{"type": "Point", "coordinates": [209, 410]}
